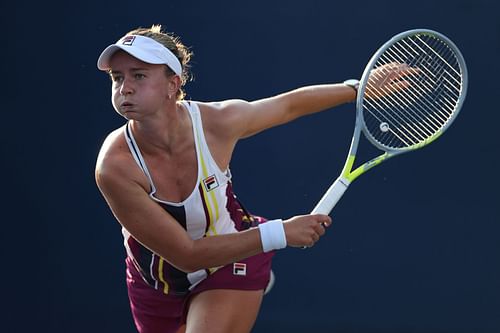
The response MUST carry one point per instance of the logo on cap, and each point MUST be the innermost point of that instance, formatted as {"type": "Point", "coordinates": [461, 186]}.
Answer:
{"type": "Point", "coordinates": [128, 40]}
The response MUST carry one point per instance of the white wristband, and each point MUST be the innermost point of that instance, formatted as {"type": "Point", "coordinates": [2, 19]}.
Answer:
{"type": "Point", "coordinates": [272, 235]}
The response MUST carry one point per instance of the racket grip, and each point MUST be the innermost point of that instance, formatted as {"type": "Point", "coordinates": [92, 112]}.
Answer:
{"type": "Point", "coordinates": [331, 197]}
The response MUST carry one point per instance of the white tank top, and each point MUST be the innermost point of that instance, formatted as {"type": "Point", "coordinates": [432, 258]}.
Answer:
{"type": "Point", "coordinates": [210, 209]}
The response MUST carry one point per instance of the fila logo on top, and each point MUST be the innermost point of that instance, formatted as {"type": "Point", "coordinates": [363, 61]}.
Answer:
{"type": "Point", "coordinates": [210, 183]}
{"type": "Point", "coordinates": [128, 40]}
{"type": "Point", "coordinates": [239, 269]}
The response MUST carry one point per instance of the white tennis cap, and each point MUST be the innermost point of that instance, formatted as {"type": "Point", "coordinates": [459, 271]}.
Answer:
{"type": "Point", "coordinates": [143, 48]}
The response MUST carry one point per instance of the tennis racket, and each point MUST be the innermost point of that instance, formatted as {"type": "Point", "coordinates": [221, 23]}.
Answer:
{"type": "Point", "coordinates": [411, 91]}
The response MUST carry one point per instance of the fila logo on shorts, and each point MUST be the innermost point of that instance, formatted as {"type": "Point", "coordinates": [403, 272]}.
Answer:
{"type": "Point", "coordinates": [239, 269]}
{"type": "Point", "coordinates": [210, 183]}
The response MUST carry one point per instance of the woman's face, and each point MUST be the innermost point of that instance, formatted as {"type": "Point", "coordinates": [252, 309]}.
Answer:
{"type": "Point", "coordinates": [138, 88]}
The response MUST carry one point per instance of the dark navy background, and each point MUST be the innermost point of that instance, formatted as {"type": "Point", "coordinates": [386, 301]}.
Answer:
{"type": "Point", "coordinates": [415, 245]}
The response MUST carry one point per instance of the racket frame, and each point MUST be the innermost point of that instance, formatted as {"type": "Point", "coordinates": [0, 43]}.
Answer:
{"type": "Point", "coordinates": [348, 175]}
{"type": "Point", "coordinates": [366, 74]}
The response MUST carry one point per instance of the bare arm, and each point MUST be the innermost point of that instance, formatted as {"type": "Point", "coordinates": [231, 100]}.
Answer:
{"type": "Point", "coordinates": [160, 232]}
{"type": "Point", "coordinates": [241, 119]}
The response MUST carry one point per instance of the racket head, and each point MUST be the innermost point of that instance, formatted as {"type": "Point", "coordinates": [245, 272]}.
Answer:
{"type": "Point", "coordinates": [413, 117]}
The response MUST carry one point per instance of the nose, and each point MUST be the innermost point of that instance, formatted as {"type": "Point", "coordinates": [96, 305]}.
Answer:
{"type": "Point", "coordinates": [126, 87]}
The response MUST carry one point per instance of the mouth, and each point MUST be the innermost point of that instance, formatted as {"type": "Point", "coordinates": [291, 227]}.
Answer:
{"type": "Point", "coordinates": [126, 106]}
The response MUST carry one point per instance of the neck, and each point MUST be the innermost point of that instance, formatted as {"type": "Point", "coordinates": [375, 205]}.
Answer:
{"type": "Point", "coordinates": [168, 132]}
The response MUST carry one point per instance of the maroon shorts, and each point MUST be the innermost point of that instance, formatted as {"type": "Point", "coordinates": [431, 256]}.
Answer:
{"type": "Point", "coordinates": [155, 312]}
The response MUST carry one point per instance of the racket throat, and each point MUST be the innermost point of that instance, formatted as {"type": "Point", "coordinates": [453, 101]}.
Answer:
{"type": "Point", "coordinates": [332, 196]}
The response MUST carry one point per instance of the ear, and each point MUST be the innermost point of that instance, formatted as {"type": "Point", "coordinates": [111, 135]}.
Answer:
{"type": "Point", "coordinates": [174, 84]}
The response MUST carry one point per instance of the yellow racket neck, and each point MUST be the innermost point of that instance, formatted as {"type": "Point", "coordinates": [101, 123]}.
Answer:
{"type": "Point", "coordinates": [352, 175]}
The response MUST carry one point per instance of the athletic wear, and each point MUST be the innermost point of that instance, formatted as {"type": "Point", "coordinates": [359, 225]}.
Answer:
{"type": "Point", "coordinates": [158, 290]}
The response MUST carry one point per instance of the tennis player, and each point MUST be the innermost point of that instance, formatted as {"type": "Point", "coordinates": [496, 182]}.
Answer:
{"type": "Point", "coordinates": [197, 261]}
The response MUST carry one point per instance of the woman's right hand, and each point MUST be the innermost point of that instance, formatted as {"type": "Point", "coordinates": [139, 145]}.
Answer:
{"type": "Point", "coordinates": [305, 230]}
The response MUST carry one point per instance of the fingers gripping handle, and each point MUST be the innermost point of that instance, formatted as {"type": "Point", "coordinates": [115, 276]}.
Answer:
{"type": "Point", "coordinates": [331, 197]}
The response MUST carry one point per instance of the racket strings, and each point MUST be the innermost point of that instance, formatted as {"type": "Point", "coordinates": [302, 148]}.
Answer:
{"type": "Point", "coordinates": [405, 120]}
{"type": "Point", "coordinates": [419, 112]}
{"type": "Point", "coordinates": [410, 116]}
{"type": "Point", "coordinates": [412, 133]}
{"type": "Point", "coordinates": [406, 100]}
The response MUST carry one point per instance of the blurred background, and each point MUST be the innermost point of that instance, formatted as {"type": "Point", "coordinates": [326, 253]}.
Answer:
{"type": "Point", "coordinates": [415, 244]}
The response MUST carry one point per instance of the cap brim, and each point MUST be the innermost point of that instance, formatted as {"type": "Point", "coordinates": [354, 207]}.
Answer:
{"type": "Point", "coordinates": [103, 61]}
{"type": "Point", "coordinates": [105, 57]}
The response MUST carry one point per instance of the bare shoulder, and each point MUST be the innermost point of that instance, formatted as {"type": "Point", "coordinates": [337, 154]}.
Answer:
{"type": "Point", "coordinates": [223, 109]}
{"type": "Point", "coordinates": [236, 118]}
{"type": "Point", "coordinates": [115, 163]}
{"type": "Point", "coordinates": [225, 117]}
{"type": "Point", "coordinates": [112, 151]}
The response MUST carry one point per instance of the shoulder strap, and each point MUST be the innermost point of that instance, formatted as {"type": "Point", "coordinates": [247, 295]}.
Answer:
{"type": "Point", "coordinates": [136, 153]}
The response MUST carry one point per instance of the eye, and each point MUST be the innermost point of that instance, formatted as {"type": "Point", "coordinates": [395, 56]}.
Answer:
{"type": "Point", "coordinates": [139, 76]}
{"type": "Point", "coordinates": [116, 78]}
